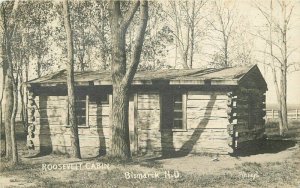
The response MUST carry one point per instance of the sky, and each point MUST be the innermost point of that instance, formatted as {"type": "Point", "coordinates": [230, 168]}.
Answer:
{"type": "Point", "coordinates": [293, 96]}
{"type": "Point", "coordinates": [253, 20]}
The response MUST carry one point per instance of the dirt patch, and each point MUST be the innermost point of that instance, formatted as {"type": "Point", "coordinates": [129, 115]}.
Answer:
{"type": "Point", "coordinates": [212, 165]}
{"type": "Point", "coordinates": [14, 181]}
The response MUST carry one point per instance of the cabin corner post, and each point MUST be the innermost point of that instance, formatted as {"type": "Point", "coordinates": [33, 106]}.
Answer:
{"type": "Point", "coordinates": [32, 118]}
{"type": "Point", "coordinates": [232, 118]}
{"type": "Point", "coordinates": [246, 114]}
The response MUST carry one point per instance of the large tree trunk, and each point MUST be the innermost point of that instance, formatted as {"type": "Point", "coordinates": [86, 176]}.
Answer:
{"type": "Point", "coordinates": [120, 139]}
{"type": "Point", "coordinates": [8, 88]}
{"type": "Point", "coordinates": [3, 150]}
{"type": "Point", "coordinates": [122, 77]}
{"type": "Point", "coordinates": [8, 107]}
{"type": "Point", "coordinates": [14, 98]}
{"type": "Point", "coordinates": [70, 83]}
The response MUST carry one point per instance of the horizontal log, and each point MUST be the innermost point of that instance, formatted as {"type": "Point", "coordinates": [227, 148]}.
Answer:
{"type": "Point", "coordinates": [148, 104]}
{"type": "Point", "coordinates": [98, 110]}
{"type": "Point", "coordinates": [200, 96]}
{"type": "Point", "coordinates": [148, 114]}
{"type": "Point", "coordinates": [218, 93]}
{"type": "Point", "coordinates": [99, 121]}
{"type": "Point", "coordinates": [50, 98]}
{"type": "Point", "coordinates": [207, 123]}
{"type": "Point", "coordinates": [52, 120]}
{"type": "Point", "coordinates": [55, 112]}
{"type": "Point", "coordinates": [196, 137]}
{"type": "Point", "coordinates": [177, 145]}
{"type": "Point", "coordinates": [92, 103]}
{"type": "Point", "coordinates": [219, 150]}
{"type": "Point", "coordinates": [149, 95]}
{"type": "Point", "coordinates": [199, 105]}
{"type": "Point", "coordinates": [65, 140]}
{"type": "Point", "coordinates": [52, 106]}
{"type": "Point", "coordinates": [194, 113]}
{"type": "Point", "coordinates": [149, 123]}
{"type": "Point", "coordinates": [98, 132]}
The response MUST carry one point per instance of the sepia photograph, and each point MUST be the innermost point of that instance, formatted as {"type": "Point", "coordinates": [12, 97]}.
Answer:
{"type": "Point", "coordinates": [150, 93]}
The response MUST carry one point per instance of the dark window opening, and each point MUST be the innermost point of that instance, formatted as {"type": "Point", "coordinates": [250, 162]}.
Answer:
{"type": "Point", "coordinates": [100, 98]}
{"type": "Point", "coordinates": [80, 104]}
{"type": "Point", "coordinates": [173, 110]}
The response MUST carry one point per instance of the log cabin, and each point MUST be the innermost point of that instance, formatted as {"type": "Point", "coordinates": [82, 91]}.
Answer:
{"type": "Point", "coordinates": [175, 112]}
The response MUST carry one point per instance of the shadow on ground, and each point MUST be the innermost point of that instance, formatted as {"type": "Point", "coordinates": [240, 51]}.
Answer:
{"type": "Point", "coordinates": [267, 146]}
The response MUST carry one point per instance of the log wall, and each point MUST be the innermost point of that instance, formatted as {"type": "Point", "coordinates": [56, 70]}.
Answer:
{"type": "Point", "coordinates": [53, 134]}
{"type": "Point", "coordinates": [208, 129]}
{"type": "Point", "coordinates": [206, 125]}
{"type": "Point", "coordinates": [246, 113]}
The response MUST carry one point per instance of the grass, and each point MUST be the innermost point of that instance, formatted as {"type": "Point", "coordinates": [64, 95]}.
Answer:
{"type": "Point", "coordinates": [272, 130]}
{"type": "Point", "coordinates": [248, 174]}
{"type": "Point", "coordinates": [274, 124]}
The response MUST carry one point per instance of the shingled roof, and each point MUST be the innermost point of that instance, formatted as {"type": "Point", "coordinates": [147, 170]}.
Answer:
{"type": "Point", "coordinates": [221, 76]}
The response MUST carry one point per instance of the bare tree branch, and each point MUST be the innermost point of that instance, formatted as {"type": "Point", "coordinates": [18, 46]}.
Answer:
{"type": "Point", "coordinates": [138, 44]}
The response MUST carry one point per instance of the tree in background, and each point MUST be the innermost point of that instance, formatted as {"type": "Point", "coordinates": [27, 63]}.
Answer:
{"type": "Point", "coordinates": [223, 24]}
{"type": "Point", "coordinates": [275, 35]}
{"type": "Point", "coordinates": [229, 36]}
{"type": "Point", "coordinates": [70, 82]}
{"type": "Point", "coordinates": [84, 36]}
{"type": "Point", "coordinates": [101, 12]}
{"type": "Point", "coordinates": [158, 37]}
{"type": "Point", "coordinates": [8, 14]}
{"type": "Point", "coordinates": [122, 75]}
{"type": "Point", "coordinates": [186, 17]}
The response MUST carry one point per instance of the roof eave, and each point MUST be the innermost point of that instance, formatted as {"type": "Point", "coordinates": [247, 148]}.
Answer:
{"type": "Point", "coordinates": [147, 82]}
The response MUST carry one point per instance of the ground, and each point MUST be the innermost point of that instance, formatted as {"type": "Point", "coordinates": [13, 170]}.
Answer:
{"type": "Point", "coordinates": [276, 165]}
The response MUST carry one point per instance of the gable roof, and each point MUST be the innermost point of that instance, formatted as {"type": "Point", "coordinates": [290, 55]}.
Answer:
{"type": "Point", "coordinates": [221, 76]}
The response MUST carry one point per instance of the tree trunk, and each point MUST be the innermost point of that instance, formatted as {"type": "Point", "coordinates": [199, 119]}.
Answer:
{"type": "Point", "coordinates": [8, 89]}
{"type": "Point", "coordinates": [192, 34]}
{"type": "Point", "coordinates": [2, 124]}
{"type": "Point", "coordinates": [70, 83]}
{"type": "Point", "coordinates": [284, 69]}
{"type": "Point", "coordinates": [25, 98]}
{"type": "Point", "coordinates": [102, 37]}
{"type": "Point", "coordinates": [283, 99]}
{"type": "Point", "coordinates": [120, 140]}
{"type": "Point", "coordinates": [185, 51]}
{"type": "Point", "coordinates": [39, 65]}
{"type": "Point", "coordinates": [8, 107]}
{"type": "Point", "coordinates": [226, 55]}
{"type": "Point", "coordinates": [13, 121]}
{"type": "Point", "coordinates": [278, 96]}
{"type": "Point", "coordinates": [122, 77]}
